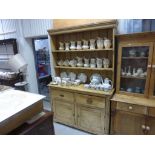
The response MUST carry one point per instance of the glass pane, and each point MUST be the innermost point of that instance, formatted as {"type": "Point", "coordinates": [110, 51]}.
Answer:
{"type": "Point", "coordinates": [134, 69]}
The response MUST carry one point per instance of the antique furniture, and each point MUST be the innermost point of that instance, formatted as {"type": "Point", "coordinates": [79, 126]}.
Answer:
{"type": "Point", "coordinates": [16, 107]}
{"type": "Point", "coordinates": [133, 105]}
{"type": "Point", "coordinates": [77, 106]}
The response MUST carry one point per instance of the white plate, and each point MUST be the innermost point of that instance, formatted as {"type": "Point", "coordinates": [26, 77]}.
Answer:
{"type": "Point", "coordinates": [98, 76]}
{"type": "Point", "coordinates": [63, 75]}
{"type": "Point", "coordinates": [72, 76]}
{"type": "Point", "coordinates": [82, 77]}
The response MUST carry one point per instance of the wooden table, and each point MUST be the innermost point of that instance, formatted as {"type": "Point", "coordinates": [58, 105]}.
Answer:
{"type": "Point", "coordinates": [16, 107]}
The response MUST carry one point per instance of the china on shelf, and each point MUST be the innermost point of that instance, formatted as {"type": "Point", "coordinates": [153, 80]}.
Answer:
{"type": "Point", "coordinates": [142, 54]}
{"type": "Point", "coordinates": [73, 63]}
{"type": "Point", "coordinates": [77, 82]}
{"type": "Point", "coordinates": [96, 79]}
{"type": "Point", "coordinates": [92, 63]}
{"type": "Point", "coordinates": [107, 84]}
{"type": "Point", "coordinates": [72, 45]}
{"type": "Point", "coordinates": [79, 45]}
{"type": "Point", "coordinates": [139, 71]}
{"type": "Point", "coordinates": [107, 43]}
{"type": "Point", "coordinates": [82, 77]}
{"type": "Point", "coordinates": [106, 63]}
{"type": "Point", "coordinates": [63, 75]}
{"type": "Point", "coordinates": [72, 76]}
{"type": "Point", "coordinates": [137, 90]}
{"type": "Point", "coordinates": [66, 46]}
{"type": "Point", "coordinates": [79, 62]}
{"type": "Point", "coordinates": [92, 44]}
{"type": "Point", "coordinates": [66, 62]}
{"type": "Point", "coordinates": [134, 72]}
{"type": "Point", "coordinates": [85, 44]}
{"type": "Point", "coordinates": [129, 71]}
{"type": "Point", "coordinates": [132, 53]}
{"type": "Point", "coordinates": [60, 62]}
{"type": "Point", "coordinates": [129, 90]}
{"type": "Point", "coordinates": [99, 62]}
{"type": "Point", "coordinates": [100, 43]}
{"type": "Point", "coordinates": [86, 62]}
{"type": "Point", "coordinates": [123, 73]}
{"type": "Point", "coordinates": [56, 80]}
{"type": "Point", "coordinates": [61, 47]}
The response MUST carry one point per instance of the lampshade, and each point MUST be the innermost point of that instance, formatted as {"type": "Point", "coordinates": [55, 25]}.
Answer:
{"type": "Point", "coordinates": [17, 63]}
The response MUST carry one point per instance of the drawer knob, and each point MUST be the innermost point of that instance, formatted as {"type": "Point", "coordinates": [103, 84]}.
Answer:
{"type": "Point", "coordinates": [143, 127]}
{"type": "Point", "coordinates": [62, 95]}
{"type": "Point", "coordinates": [130, 107]}
{"type": "Point", "coordinates": [147, 128]}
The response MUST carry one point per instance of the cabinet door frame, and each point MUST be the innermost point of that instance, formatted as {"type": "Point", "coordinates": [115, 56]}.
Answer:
{"type": "Point", "coordinates": [128, 44]}
{"type": "Point", "coordinates": [152, 79]}
{"type": "Point", "coordinates": [56, 119]}
{"type": "Point", "coordinates": [114, 121]}
{"type": "Point", "coordinates": [92, 109]}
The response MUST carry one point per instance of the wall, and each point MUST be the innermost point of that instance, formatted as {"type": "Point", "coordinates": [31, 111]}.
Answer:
{"type": "Point", "coordinates": [23, 31]}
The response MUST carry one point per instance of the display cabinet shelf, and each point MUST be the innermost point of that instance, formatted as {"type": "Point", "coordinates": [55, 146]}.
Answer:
{"type": "Point", "coordinates": [133, 77]}
{"type": "Point", "coordinates": [85, 68]}
{"type": "Point", "coordinates": [88, 50]}
{"type": "Point", "coordinates": [136, 58]}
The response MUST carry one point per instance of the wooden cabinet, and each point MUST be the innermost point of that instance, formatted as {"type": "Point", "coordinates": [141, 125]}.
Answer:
{"type": "Point", "coordinates": [91, 119]}
{"type": "Point", "coordinates": [83, 108]}
{"type": "Point", "coordinates": [64, 111]}
{"type": "Point", "coordinates": [134, 110]}
{"type": "Point", "coordinates": [137, 120]}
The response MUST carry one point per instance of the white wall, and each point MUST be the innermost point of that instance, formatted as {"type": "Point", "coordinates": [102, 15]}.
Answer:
{"type": "Point", "coordinates": [26, 28]}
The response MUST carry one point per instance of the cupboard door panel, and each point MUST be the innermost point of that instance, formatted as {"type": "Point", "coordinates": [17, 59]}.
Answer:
{"type": "Point", "coordinates": [91, 119]}
{"type": "Point", "coordinates": [126, 123]}
{"type": "Point", "coordinates": [64, 112]}
{"type": "Point", "coordinates": [150, 125]}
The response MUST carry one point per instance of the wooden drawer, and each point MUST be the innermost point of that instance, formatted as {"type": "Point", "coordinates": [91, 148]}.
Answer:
{"type": "Point", "coordinates": [93, 101]}
{"type": "Point", "coordinates": [151, 111]}
{"type": "Point", "coordinates": [132, 108]}
{"type": "Point", "coordinates": [62, 95]}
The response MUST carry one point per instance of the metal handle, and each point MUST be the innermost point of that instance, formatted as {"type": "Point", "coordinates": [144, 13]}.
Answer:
{"type": "Point", "coordinates": [147, 128]}
{"type": "Point", "coordinates": [62, 95]}
{"type": "Point", "coordinates": [130, 107]}
{"type": "Point", "coordinates": [143, 127]}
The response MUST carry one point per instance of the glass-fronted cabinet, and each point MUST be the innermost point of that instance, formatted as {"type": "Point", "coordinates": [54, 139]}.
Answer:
{"type": "Point", "coordinates": [134, 68]}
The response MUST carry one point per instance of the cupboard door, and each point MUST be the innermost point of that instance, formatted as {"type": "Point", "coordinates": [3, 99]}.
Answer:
{"type": "Point", "coordinates": [134, 68]}
{"type": "Point", "coordinates": [152, 80]}
{"type": "Point", "coordinates": [64, 112]}
{"type": "Point", "coordinates": [125, 123]}
{"type": "Point", "coordinates": [150, 125]}
{"type": "Point", "coordinates": [90, 119]}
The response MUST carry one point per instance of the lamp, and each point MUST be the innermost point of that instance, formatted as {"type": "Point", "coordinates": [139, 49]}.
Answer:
{"type": "Point", "coordinates": [17, 64]}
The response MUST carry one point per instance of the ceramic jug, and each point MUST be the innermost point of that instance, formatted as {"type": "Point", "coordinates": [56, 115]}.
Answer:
{"type": "Point", "coordinates": [67, 46]}
{"type": "Point", "coordinates": [107, 84]}
{"type": "Point", "coordinates": [61, 47]}
{"type": "Point", "coordinates": [73, 63]}
{"type": "Point", "coordinates": [100, 43]}
{"type": "Point", "coordinates": [107, 43]}
{"type": "Point", "coordinates": [60, 62]}
{"type": "Point", "coordinates": [86, 62]}
{"type": "Point", "coordinates": [80, 62]}
{"type": "Point", "coordinates": [92, 62]}
{"type": "Point", "coordinates": [99, 62]}
{"type": "Point", "coordinates": [129, 71]}
{"type": "Point", "coordinates": [78, 47]}
{"type": "Point", "coordinates": [66, 63]}
{"type": "Point", "coordinates": [72, 45]}
{"type": "Point", "coordinates": [85, 44]}
{"type": "Point", "coordinates": [92, 44]}
{"type": "Point", "coordinates": [106, 63]}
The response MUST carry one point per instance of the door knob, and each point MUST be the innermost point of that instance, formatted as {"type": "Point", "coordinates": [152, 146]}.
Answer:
{"type": "Point", "coordinates": [130, 107]}
{"type": "Point", "coordinates": [147, 128]}
{"type": "Point", "coordinates": [143, 127]}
